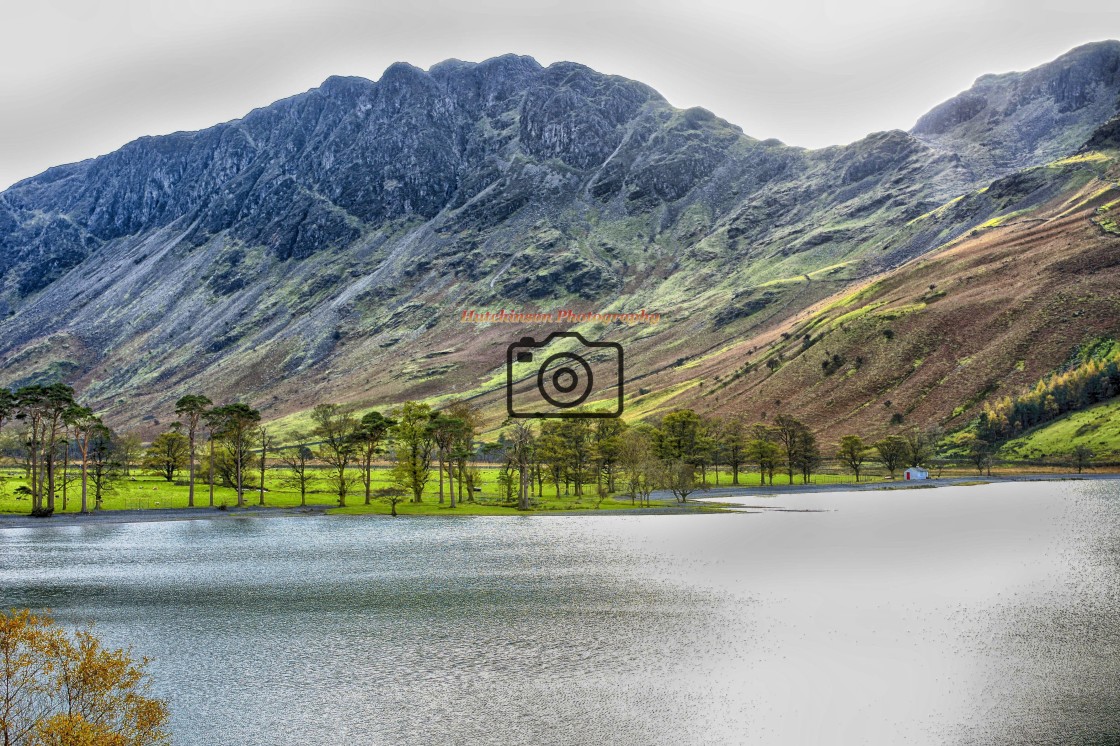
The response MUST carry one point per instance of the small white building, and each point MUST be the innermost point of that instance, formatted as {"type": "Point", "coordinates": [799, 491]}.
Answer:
{"type": "Point", "coordinates": [916, 472]}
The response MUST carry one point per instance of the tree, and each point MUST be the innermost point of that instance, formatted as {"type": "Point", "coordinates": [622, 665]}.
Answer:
{"type": "Point", "coordinates": [297, 457]}
{"type": "Point", "coordinates": [551, 452]}
{"type": "Point", "coordinates": [58, 400]}
{"type": "Point", "coordinates": [104, 463]}
{"type": "Point", "coordinates": [522, 442]}
{"type": "Point", "coordinates": [71, 691]}
{"type": "Point", "coordinates": [1082, 457]}
{"type": "Point", "coordinates": [707, 452]}
{"type": "Point", "coordinates": [462, 455]}
{"type": "Point", "coordinates": [67, 450]}
{"type": "Point", "coordinates": [213, 422]}
{"type": "Point", "coordinates": [234, 426]}
{"type": "Point", "coordinates": [472, 480]}
{"type": "Point", "coordinates": [604, 450]}
{"type": "Point", "coordinates": [920, 446]}
{"type": "Point", "coordinates": [807, 455]}
{"type": "Point", "coordinates": [1095, 377]}
{"type": "Point", "coordinates": [733, 445]}
{"type": "Point", "coordinates": [681, 437]}
{"type": "Point", "coordinates": [891, 451]}
{"type": "Point", "coordinates": [413, 438]}
{"type": "Point", "coordinates": [266, 442]}
{"type": "Point", "coordinates": [131, 447]}
{"type": "Point", "coordinates": [225, 468]}
{"type": "Point", "coordinates": [507, 478]}
{"type": "Point", "coordinates": [8, 406]}
{"type": "Point", "coordinates": [853, 453]}
{"type": "Point", "coordinates": [369, 438]}
{"type": "Point", "coordinates": [192, 409]}
{"type": "Point", "coordinates": [84, 425]}
{"type": "Point", "coordinates": [763, 450]}
{"type": "Point", "coordinates": [167, 454]}
{"type": "Point", "coordinates": [394, 494]}
{"type": "Point", "coordinates": [336, 429]}
{"type": "Point", "coordinates": [576, 446]}
{"type": "Point", "coordinates": [463, 450]}
{"type": "Point", "coordinates": [790, 436]}
{"type": "Point", "coordinates": [446, 431]}
{"type": "Point", "coordinates": [638, 461]}
{"type": "Point", "coordinates": [29, 407]}
{"type": "Point", "coordinates": [43, 407]}
{"type": "Point", "coordinates": [679, 477]}
{"type": "Point", "coordinates": [976, 449]}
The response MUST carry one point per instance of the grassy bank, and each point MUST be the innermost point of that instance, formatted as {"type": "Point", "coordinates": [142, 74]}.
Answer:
{"type": "Point", "coordinates": [1097, 428]}
{"type": "Point", "coordinates": [142, 491]}
{"type": "Point", "coordinates": [147, 492]}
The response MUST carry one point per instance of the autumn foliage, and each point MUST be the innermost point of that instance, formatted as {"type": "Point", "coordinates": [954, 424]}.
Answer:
{"type": "Point", "coordinates": [1082, 385]}
{"type": "Point", "coordinates": [62, 690]}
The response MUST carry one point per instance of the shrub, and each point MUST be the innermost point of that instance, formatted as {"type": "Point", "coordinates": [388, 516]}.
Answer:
{"type": "Point", "coordinates": [71, 690]}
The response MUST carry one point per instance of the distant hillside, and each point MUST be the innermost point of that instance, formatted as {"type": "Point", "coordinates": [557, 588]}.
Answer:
{"type": "Point", "coordinates": [926, 344]}
{"type": "Point", "coordinates": [322, 248]}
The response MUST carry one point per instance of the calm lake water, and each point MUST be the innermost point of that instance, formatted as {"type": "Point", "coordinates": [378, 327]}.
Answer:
{"type": "Point", "coordinates": [964, 615]}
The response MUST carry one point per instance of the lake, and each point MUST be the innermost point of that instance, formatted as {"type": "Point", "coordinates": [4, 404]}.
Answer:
{"type": "Point", "coordinates": [961, 615]}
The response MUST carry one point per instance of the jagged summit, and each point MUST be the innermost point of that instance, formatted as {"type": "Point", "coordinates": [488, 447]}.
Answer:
{"type": "Point", "coordinates": [1021, 118]}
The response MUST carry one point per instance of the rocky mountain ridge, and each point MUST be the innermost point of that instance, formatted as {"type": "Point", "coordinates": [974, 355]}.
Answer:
{"type": "Point", "coordinates": [322, 245]}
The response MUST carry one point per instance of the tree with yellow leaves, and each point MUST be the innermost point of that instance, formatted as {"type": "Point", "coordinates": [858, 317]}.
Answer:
{"type": "Point", "coordinates": [58, 690]}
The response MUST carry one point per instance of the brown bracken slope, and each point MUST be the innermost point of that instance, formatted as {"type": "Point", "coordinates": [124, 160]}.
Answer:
{"type": "Point", "coordinates": [927, 343]}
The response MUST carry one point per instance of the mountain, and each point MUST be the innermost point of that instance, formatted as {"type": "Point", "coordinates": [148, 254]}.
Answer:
{"type": "Point", "coordinates": [323, 247]}
{"type": "Point", "coordinates": [1017, 120]}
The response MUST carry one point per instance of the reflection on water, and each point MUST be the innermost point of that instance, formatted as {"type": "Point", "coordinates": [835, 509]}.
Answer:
{"type": "Point", "coordinates": [961, 615]}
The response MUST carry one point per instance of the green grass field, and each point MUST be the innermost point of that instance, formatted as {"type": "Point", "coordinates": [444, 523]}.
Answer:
{"type": "Point", "coordinates": [143, 491]}
{"type": "Point", "coordinates": [1097, 427]}
{"type": "Point", "coordinates": [751, 479]}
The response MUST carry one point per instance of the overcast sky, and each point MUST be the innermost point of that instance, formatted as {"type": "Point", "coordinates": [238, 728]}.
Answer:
{"type": "Point", "coordinates": [79, 78]}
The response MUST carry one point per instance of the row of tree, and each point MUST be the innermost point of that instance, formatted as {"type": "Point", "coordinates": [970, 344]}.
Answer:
{"type": "Point", "coordinates": [59, 435]}
{"type": "Point", "coordinates": [55, 425]}
{"type": "Point", "coordinates": [674, 453]}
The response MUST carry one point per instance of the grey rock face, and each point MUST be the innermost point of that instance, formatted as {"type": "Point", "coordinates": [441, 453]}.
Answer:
{"type": "Point", "coordinates": [305, 173]}
{"type": "Point", "coordinates": [1020, 119]}
{"type": "Point", "coordinates": [311, 172]}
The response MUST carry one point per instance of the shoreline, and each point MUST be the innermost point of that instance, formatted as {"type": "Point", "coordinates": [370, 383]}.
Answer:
{"type": "Point", "coordinates": [757, 490]}
{"type": "Point", "coordinates": [154, 515]}
{"type": "Point", "coordinates": [698, 502]}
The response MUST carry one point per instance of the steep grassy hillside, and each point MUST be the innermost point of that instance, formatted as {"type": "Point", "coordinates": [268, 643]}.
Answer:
{"type": "Point", "coordinates": [1097, 428]}
{"type": "Point", "coordinates": [927, 343]}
